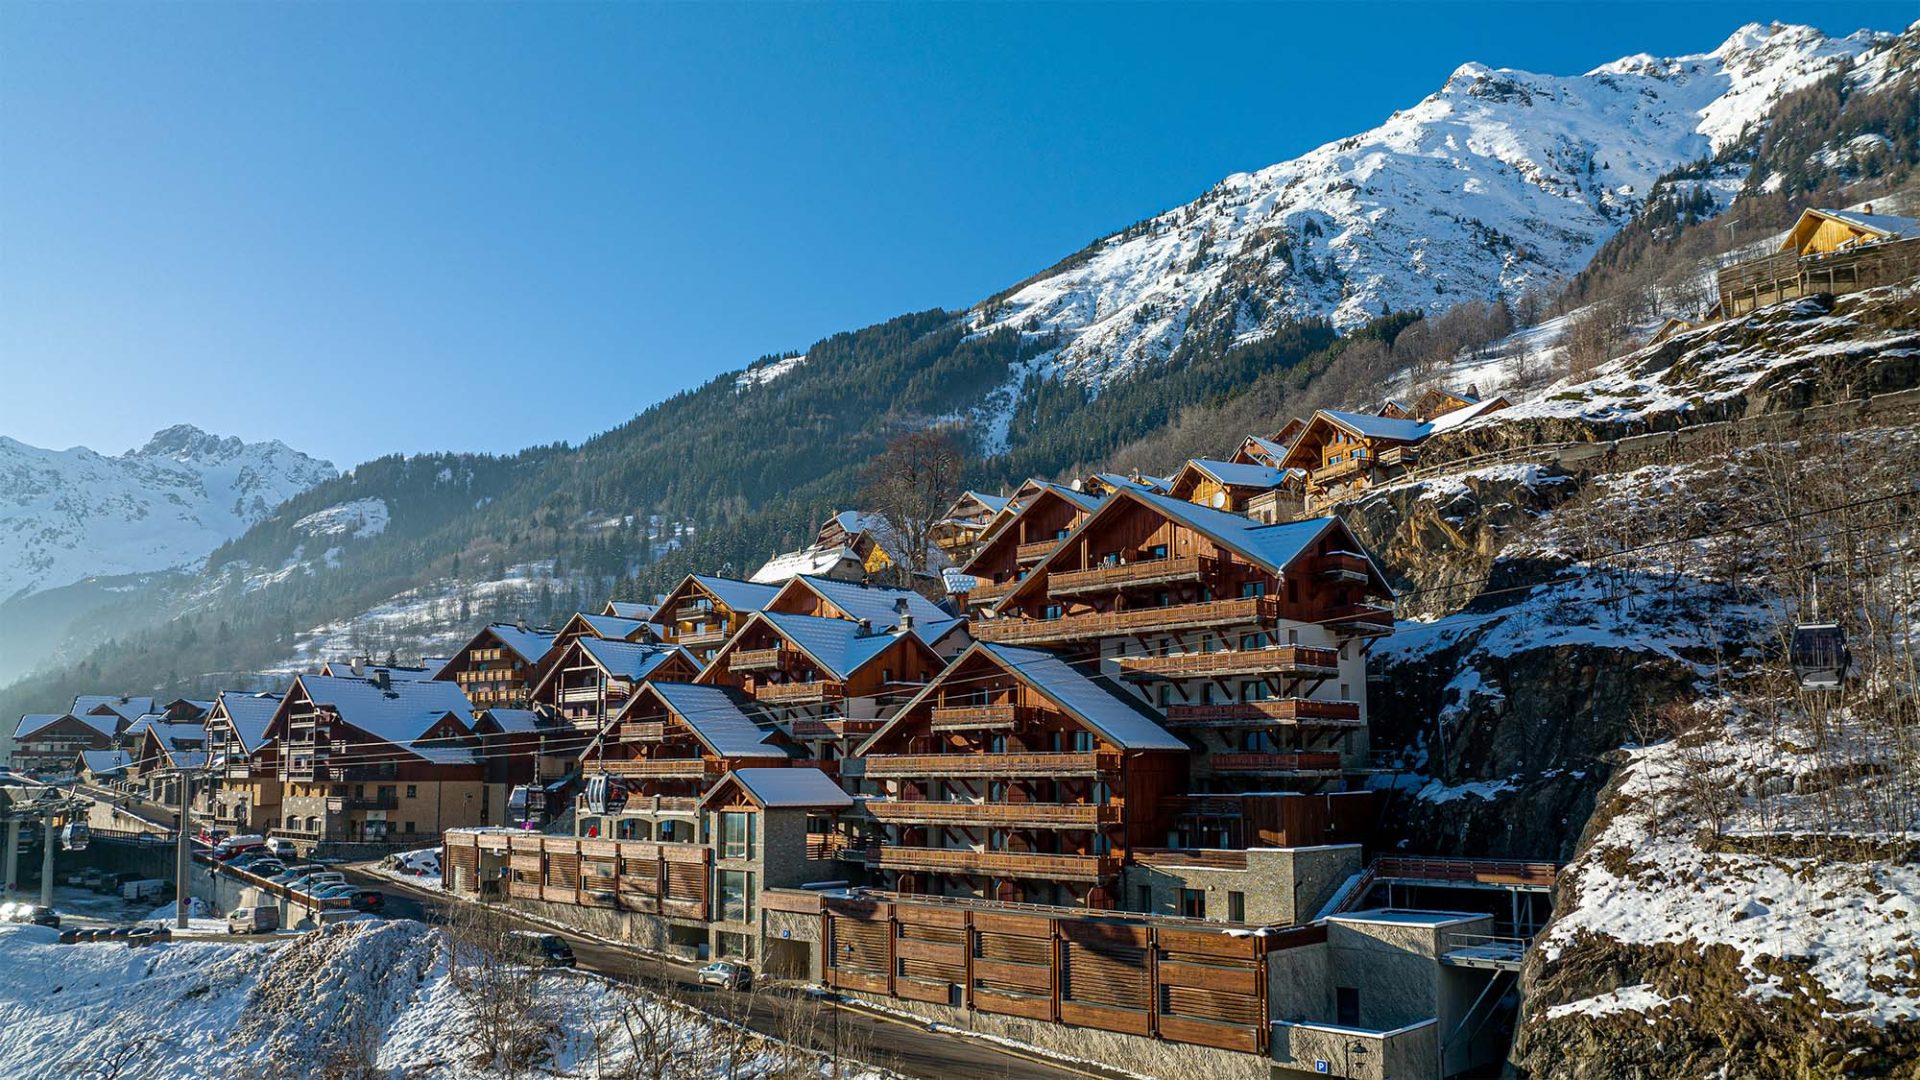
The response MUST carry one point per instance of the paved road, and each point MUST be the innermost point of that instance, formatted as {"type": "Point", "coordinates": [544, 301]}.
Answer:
{"type": "Point", "coordinates": [900, 1045]}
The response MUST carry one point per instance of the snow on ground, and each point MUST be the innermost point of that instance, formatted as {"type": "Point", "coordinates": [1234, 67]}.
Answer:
{"type": "Point", "coordinates": [1640, 998]}
{"type": "Point", "coordinates": [761, 376]}
{"type": "Point", "coordinates": [357, 520]}
{"type": "Point", "coordinates": [375, 995]}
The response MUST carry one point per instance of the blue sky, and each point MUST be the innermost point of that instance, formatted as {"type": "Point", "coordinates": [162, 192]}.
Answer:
{"type": "Point", "coordinates": [374, 228]}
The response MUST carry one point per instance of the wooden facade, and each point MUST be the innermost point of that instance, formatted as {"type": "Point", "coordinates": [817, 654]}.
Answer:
{"type": "Point", "coordinates": [1023, 538]}
{"type": "Point", "coordinates": [987, 787]}
{"type": "Point", "coordinates": [589, 680]}
{"type": "Point", "coordinates": [666, 879]}
{"type": "Point", "coordinates": [49, 743]}
{"type": "Point", "coordinates": [496, 669]}
{"type": "Point", "coordinates": [703, 613]}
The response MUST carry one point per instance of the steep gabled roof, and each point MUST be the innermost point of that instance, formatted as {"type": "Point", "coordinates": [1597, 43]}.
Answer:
{"type": "Point", "coordinates": [1379, 427]}
{"type": "Point", "coordinates": [105, 762]}
{"type": "Point", "coordinates": [127, 708]}
{"type": "Point", "coordinates": [875, 603]}
{"type": "Point", "coordinates": [628, 609]}
{"type": "Point", "coordinates": [511, 721]}
{"type": "Point", "coordinates": [249, 714]}
{"type": "Point", "coordinates": [35, 722]}
{"type": "Point", "coordinates": [741, 596]}
{"type": "Point", "coordinates": [528, 645]}
{"type": "Point", "coordinates": [1884, 226]}
{"type": "Point", "coordinates": [798, 788]}
{"type": "Point", "coordinates": [634, 661]}
{"type": "Point", "coordinates": [402, 713]}
{"type": "Point", "coordinates": [1040, 490]}
{"type": "Point", "coordinates": [1235, 474]}
{"type": "Point", "coordinates": [726, 721]}
{"type": "Point", "coordinates": [837, 645]}
{"type": "Point", "coordinates": [1271, 547]}
{"type": "Point", "coordinates": [1108, 711]}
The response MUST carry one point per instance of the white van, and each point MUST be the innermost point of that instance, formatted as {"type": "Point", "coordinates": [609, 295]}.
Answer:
{"type": "Point", "coordinates": [260, 919]}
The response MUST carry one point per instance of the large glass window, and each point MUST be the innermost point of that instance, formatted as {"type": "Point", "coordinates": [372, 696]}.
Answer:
{"type": "Point", "coordinates": [736, 835]}
{"type": "Point", "coordinates": [736, 895]}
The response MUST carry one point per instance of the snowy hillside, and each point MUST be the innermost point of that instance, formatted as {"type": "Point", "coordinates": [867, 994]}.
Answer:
{"type": "Point", "coordinates": [72, 514]}
{"type": "Point", "coordinates": [1499, 182]}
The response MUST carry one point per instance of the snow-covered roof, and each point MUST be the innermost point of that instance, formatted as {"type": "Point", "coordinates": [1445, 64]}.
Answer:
{"type": "Point", "coordinates": [1234, 474]}
{"type": "Point", "coordinates": [250, 715]}
{"type": "Point", "coordinates": [105, 762]}
{"type": "Point", "coordinates": [611, 626]}
{"type": "Point", "coordinates": [796, 788]}
{"type": "Point", "coordinates": [514, 721]}
{"type": "Point", "coordinates": [1267, 446]}
{"type": "Point", "coordinates": [631, 660]}
{"type": "Point", "coordinates": [528, 645]}
{"type": "Point", "coordinates": [806, 562]}
{"type": "Point", "coordinates": [875, 603]}
{"type": "Point", "coordinates": [34, 722]}
{"type": "Point", "coordinates": [723, 718]}
{"type": "Point", "coordinates": [1449, 420]}
{"type": "Point", "coordinates": [741, 596]}
{"type": "Point", "coordinates": [126, 707]}
{"type": "Point", "coordinates": [1379, 427]}
{"type": "Point", "coordinates": [401, 714]}
{"type": "Point", "coordinates": [140, 725]}
{"type": "Point", "coordinates": [628, 609]}
{"type": "Point", "coordinates": [837, 645]}
{"type": "Point", "coordinates": [1890, 225]}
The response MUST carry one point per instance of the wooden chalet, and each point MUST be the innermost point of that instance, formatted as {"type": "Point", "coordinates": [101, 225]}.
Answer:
{"type": "Point", "coordinates": [186, 710]}
{"type": "Point", "coordinates": [1343, 450]}
{"type": "Point", "coordinates": [375, 760]}
{"type": "Point", "coordinates": [1225, 485]}
{"type": "Point", "coordinates": [703, 611]}
{"type": "Point", "coordinates": [1013, 776]}
{"type": "Point", "coordinates": [1022, 537]}
{"type": "Point", "coordinates": [123, 707]}
{"type": "Point", "coordinates": [628, 609]}
{"type": "Point", "coordinates": [960, 529]}
{"type": "Point", "coordinates": [587, 682]}
{"type": "Point", "coordinates": [670, 742]}
{"type": "Point", "coordinates": [826, 681]}
{"type": "Point", "coordinates": [1827, 250]}
{"type": "Point", "coordinates": [884, 607]}
{"type": "Point", "coordinates": [1251, 637]}
{"type": "Point", "coordinates": [495, 669]}
{"type": "Point", "coordinates": [243, 761]}
{"type": "Point", "coordinates": [1106, 483]}
{"type": "Point", "coordinates": [362, 667]}
{"type": "Point", "coordinates": [48, 743]}
{"type": "Point", "coordinates": [102, 767]}
{"type": "Point", "coordinates": [162, 751]}
{"type": "Point", "coordinates": [1256, 450]}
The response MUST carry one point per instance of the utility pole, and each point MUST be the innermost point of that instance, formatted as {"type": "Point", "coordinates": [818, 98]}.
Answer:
{"type": "Point", "coordinates": [182, 864]}
{"type": "Point", "coordinates": [12, 856]}
{"type": "Point", "coordinates": [46, 863]}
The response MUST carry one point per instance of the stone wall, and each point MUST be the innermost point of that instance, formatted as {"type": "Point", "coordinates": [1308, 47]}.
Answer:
{"type": "Point", "coordinates": [1280, 886]}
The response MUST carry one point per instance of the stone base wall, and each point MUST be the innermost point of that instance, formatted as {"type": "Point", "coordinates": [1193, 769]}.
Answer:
{"type": "Point", "coordinates": [650, 933]}
{"type": "Point", "coordinates": [1147, 1057]}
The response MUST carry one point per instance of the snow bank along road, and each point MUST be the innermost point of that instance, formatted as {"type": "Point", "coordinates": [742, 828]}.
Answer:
{"type": "Point", "coordinates": [906, 1046]}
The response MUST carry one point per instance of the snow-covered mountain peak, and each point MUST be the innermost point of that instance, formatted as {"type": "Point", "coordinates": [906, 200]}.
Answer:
{"type": "Point", "coordinates": [66, 515]}
{"type": "Point", "coordinates": [1498, 182]}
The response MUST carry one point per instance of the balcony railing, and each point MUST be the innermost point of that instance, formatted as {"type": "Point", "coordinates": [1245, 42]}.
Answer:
{"type": "Point", "coordinates": [1276, 764]}
{"type": "Point", "coordinates": [985, 592]}
{"type": "Point", "coordinates": [662, 769]}
{"type": "Point", "coordinates": [758, 659]}
{"type": "Point", "coordinates": [1130, 574]}
{"type": "Point", "coordinates": [702, 637]}
{"type": "Point", "coordinates": [1339, 469]}
{"type": "Point", "coordinates": [1011, 815]}
{"type": "Point", "coordinates": [1361, 620]}
{"type": "Point", "coordinates": [1256, 609]}
{"type": "Point", "coordinates": [1010, 765]}
{"type": "Point", "coordinates": [1270, 711]}
{"type": "Point", "coordinates": [834, 727]}
{"type": "Point", "coordinates": [642, 731]}
{"type": "Point", "coordinates": [1017, 864]}
{"type": "Point", "coordinates": [1295, 660]}
{"type": "Point", "coordinates": [1345, 566]}
{"type": "Point", "coordinates": [338, 805]}
{"type": "Point", "coordinates": [798, 693]}
{"type": "Point", "coordinates": [975, 717]}
{"type": "Point", "coordinates": [576, 695]}
{"type": "Point", "coordinates": [1035, 550]}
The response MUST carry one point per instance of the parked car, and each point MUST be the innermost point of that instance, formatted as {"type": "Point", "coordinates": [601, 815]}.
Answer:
{"type": "Point", "coordinates": [539, 948]}
{"type": "Point", "coordinates": [292, 872]}
{"type": "Point", "coordinates": [369, 899]}
{"type": "Point", "coordinates": [259, 919]}
{"type": "Point", "coordinates": [329, 892]}
{"type": "Point", "coordinates": [726, 975]}
{"type": "Point", "coordinates": [32, 913]}
{"type": "Point", "coordinates": [265, 867]}
{"type": "Point", "coordinates": [282, 848]}
{"type": "Point", "coordinates": [223, 853]}
{"type": "Point", "coordinates": [315, 881]}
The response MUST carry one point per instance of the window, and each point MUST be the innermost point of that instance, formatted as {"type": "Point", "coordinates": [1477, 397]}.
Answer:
{"type": "Point", "coordinates": [1053, 611]}
{"type": "Point", "coordinates": [1346, 1006]}
{"type": "Point", "coordinates": [1083, 742]}
{"type": "Point", "coordinates": [1254, 641]}
{"type": "Point", "coordinates": [736, 894]}
{"type": "Point", "coordinates": [413, 791]}
{"type": "Point", "coordinates": [1236, 907]}
{"type": "Point", "coordinates": [1249, 589]}
{"type": "Point", "coordinates": [1157, 551]}
{"type": "Point", "coordinates": [1142, 898]}
{"type": "Point", "coordinates": [409, 827]}
{"type": "Point", "coordinates": [736, 835]}
{"type": "Point", "coordinates": [1293, 592]}
{"type": "Point", "coordinates": [1193, 903]}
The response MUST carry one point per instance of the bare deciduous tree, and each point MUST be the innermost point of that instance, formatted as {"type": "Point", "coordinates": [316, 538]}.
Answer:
{"type": "Point", "coordinates": [909, 487]}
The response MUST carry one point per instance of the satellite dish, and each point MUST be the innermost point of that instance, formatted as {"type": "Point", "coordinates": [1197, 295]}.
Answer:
{"type": "Point", "coordinates": [1219, 500]}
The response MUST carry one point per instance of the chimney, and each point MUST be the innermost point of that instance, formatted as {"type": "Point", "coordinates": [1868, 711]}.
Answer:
{"type": "Point", "coordinates": [904, 610]}
{"type": "Point", "coordinates": [864, 628]}
{"type": "Point", "coordinates": [1867, 209]}
{"type": "Point", "coordinates": [520, 623]}
{"type": "Point", "coordinates": [382, 680]}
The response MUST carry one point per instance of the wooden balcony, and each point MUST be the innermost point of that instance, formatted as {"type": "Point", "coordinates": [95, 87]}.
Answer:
{"type": "Point", "coordinates": [798, 693]}
{"type": "Point", "coordinates": [1361, 620]}
{"type": "Point", "coordinates": [758, 659]}
{"type": "Point", "coordinates": [992, 765]}
{"type": "Point", "coordinates": [1300, 711]}
{"type": "Point", "coordinates": [987, 592]}
{"type": "Point", "coordinates": [1300, 661]}
{"type": "Point", "coordinates": [994, 814]}
{"type": "Point", "coordinates": [1014, 864]}
{"type": "Point", "coordinates": [1129, 575]}
{"type": "Point", "coordinates": [702, 637]}
{"type": "Point", "coordinates": [834, 728]}
{"type": "Point", "coordinates": [663, 769]}
{"type": "Point", "coordinates": [1305, 764]}
{"type": "Point", "coordinates": [642, 731]}
{"type": "Point", "coordinates": [1014, 630]}
{"type": "Point", "coordinates": [579, 695]}
{"type": "Point", "coordinates": [975, 717]}
{"type": "Point", "coordinates": [1344, 566]}
{"type": "Point", "coordinates": [1035, 550]}
{"type": "Point", "coordinates": [1340, 470]}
